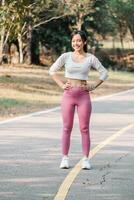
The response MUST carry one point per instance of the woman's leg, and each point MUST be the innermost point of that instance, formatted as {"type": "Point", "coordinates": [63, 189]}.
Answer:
{"type": "Point", "coordinates": [67, 108]}
{"type": "Point", "coordinates": [84, 112]}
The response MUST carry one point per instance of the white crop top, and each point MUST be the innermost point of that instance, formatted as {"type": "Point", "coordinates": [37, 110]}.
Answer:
{"type": "Point", "coordinates": [78, 70]}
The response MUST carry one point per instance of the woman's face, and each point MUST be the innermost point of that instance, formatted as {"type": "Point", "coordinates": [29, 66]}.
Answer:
{"type": "Point", "coordinates": [77, 43]}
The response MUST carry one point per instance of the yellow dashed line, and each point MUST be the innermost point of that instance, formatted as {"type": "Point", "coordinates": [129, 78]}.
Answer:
{"type": "Point", "coordinates": [64, 188]}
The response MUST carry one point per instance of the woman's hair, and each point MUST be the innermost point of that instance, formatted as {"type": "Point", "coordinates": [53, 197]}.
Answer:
{"type": "Point", "coordinates": [83, 37]}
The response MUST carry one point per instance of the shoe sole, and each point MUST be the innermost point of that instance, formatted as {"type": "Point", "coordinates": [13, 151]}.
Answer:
{"type": "Point", "coordinates": [84, 168]}
{"type": "Point", "coordinates": [64, 167]}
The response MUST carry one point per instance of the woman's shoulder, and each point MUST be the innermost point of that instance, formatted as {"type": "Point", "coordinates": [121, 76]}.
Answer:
{"type": "Point", "coordinates": [90, 55]}
{"type": "Point", "coordinates": [66, 54]}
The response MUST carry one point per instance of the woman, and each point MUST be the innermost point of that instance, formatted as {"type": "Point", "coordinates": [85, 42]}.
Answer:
{"type": "Point", "coordinates": [77, 93]}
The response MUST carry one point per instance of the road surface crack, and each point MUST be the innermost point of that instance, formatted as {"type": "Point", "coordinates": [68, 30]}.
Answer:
{"type": "Point", "coordinates": [103, 180]}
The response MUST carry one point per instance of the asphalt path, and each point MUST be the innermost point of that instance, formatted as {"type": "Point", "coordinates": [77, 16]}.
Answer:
{"type": "Point", "coordinates": [30, 154]}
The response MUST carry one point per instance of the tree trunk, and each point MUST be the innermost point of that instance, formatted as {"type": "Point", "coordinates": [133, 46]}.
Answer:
{"type": "Point", "coordinates": [2, 34]}
{"type": "Point", "coordinates": [131, 30]}
{"type": "Point", "coordinates": [79, 21]}
{"type": "Point", "coordinates": [113, 42]}
{"type": "Point", "coordinates": [121, 40]}
{"type": "Point", "coordinates": [20, 48]}
{"type": "Point", "coordinates": [2, 44]}
{"type": "Point", "coordinates": [79, 24]}
{"type": "Point", "coordinates": [29, 44]}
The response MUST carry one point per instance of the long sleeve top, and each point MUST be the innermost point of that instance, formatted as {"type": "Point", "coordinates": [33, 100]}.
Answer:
{"type": "Point", "coordinates": [78, 70]}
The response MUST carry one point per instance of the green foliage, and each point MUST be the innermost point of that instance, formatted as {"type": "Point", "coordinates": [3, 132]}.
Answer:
{"type": "Point", "coordinates": [79, 10]}
{"type": "Point", "coordinates": [107, 17]}
{"type": "Point", "coordinates": [123, 14]}
{"type": "Point", "coordinates": [101, 21]}
{"type": "Point", "coordinates": [57, 35]}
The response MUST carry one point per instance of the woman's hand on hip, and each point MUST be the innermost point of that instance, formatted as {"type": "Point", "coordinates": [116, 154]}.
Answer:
{"type": "Point", "coordinates": [89, 87]}
{"type": "Point", "coordinates": [66, 86]}
{"type": "Point", "coordinates": [92, 87]}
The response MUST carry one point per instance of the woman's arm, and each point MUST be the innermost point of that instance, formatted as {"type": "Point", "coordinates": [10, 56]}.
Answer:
{"type": "Point", "coordinates": [94, 86]}
{"type": "Point", "coordinates": [96, 64]}
{"type": "Point", "coordinates": [59, 82]}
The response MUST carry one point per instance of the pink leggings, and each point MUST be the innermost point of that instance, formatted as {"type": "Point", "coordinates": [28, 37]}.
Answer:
{"type": "Point", "coordinates": [76, 97]}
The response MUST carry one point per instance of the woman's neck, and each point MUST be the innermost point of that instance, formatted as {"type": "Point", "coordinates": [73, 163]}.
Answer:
{"type": "Point", "coordinates": [79, 52]}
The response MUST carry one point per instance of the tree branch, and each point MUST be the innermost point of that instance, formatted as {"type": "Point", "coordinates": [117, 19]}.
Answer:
{"type": "Point", "coordinates": [23, 27]}
{"type": "Point", "coordinates": [45, 22]}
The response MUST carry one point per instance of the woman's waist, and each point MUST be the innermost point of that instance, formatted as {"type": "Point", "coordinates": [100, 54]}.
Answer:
{"type": "Point", "coordinates": [76, 82]}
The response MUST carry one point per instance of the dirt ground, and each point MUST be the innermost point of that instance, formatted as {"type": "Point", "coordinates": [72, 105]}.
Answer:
{"type": "Point", "coordinates": [25, 89]}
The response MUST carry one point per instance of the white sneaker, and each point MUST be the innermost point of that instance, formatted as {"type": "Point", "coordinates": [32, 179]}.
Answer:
{"type": "Point", "coordinates": [64, 163]}
{"type": "Point", "coordinates": [86, 163]}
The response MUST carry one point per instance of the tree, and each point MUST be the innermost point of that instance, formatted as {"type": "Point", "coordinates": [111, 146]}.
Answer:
{"type": "Point", "coordinates": [122, 12]}
{"type": "Point", "coordinates": [128, 12]}
{"type": "Point", "coordinates": [18, 19]}
{"type": "Point", "coordinates": [6, 23]}
{"type": "Point", "coordinates": [29, 16]}
{"type": "Point", "coordinates": [79, 10]}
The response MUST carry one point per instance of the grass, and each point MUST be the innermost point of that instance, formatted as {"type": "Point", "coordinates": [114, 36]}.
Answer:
{"type": "Point", "coordinates": [7, 102]}
{"type": "Point", "coordinates": [29, 89]}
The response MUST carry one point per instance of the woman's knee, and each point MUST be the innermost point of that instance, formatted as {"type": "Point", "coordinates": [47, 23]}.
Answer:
{"type": "Point", "coordinates": [84, 130]}
{"type": "Point", "coordinates": [67, 130]}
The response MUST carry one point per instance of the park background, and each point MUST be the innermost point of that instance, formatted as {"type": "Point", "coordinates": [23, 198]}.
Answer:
{"type": "Point", "coordinates": [33, 33]}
